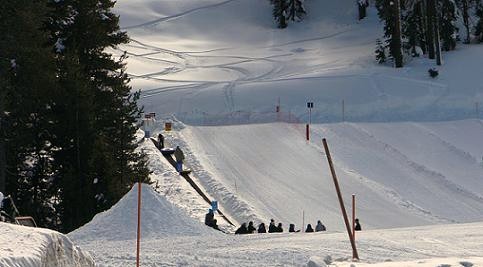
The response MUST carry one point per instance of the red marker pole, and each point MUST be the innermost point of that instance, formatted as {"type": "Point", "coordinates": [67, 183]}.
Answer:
{"type": "Point", "coordinates": [307, 132]}
{"type": "Point", "coordinates": [139, 225]}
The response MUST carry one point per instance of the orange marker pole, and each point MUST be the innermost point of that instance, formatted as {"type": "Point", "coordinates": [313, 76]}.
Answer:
{"type": "Point", "coordinates": [139, 225]}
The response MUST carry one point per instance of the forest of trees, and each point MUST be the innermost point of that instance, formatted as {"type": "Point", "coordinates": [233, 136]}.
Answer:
{"type": "Point", "coordinates": [67, 114]}
{"type": "Point", "coordinates": [417, 27]}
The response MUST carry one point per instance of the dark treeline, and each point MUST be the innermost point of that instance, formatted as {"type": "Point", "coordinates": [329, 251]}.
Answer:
{"type": "Point", "coordinates": [417, 27]}
{"type": "Point", "coordinates": [67, 114]}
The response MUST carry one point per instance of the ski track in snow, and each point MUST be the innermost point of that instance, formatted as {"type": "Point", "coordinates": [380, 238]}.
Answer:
{"type": "Point", "coordinates": [418, 168]}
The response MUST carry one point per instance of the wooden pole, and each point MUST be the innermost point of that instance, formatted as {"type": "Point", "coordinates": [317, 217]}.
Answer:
{"type": "Point", "coordinates": [307, 132]}
{"type": "Point", "coordinates": [139, 225]}
{"type": "Point", "coordinates": [354, 216]}
{"type": "Point", "coordinates": [341, 201]}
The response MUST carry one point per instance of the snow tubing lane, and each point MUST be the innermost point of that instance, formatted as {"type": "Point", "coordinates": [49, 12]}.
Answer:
{"type": "Point", "coordinates": [186, 176]}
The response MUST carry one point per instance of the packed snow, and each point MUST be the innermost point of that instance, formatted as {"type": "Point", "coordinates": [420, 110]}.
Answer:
{"type": "Point", "coordinates": [217, 69]}
{"type": "Point", "coordinates": [22, 246]}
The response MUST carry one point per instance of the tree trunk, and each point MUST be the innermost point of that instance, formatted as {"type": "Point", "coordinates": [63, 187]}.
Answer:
{"type": "Point", "coordinates": [437, 42]}
{"type": "Point", "coordinates": [430, 30]}
{"type": "Point", "coordinates": [397, 43]}
{"type": "Point", "coordinates": [466, 21]}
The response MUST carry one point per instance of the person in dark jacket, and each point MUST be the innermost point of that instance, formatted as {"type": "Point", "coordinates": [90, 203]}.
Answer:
{"type": "Point", "coordinates": [251, 229]}
{"type": "Point", "coordinates": [291, 228]}
{"type": "Point", "coordinates": [242, 230]}
{"type": "Point", "coordinates": [209, 217]}
{"type": "Point", "coordinates": [215, 225]}
{"type": "Point", "coordinates": [309, 229]}
{"type": "Point", "coordinates": [319, 227]}
{"type": "Point", "coordinates": [272, 228]}
{"type": "Point", "coordinates": [160, 141]}
{"type": "Point", "coordinates": [279, 228]}
{"type": "Point", "coordinates": [178, 154]}
{"type": "Point", "coordinates": [357, 226]}
{"type": "Point", "coordinates": [262, 229]}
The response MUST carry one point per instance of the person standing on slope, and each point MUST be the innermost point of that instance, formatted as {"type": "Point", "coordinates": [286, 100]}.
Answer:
{"type": "Point", "coordinates": [209, 217]}
{"type": "Point", "coordinates": [160, 141]}
{"type": "Point", "coordinates": [178, 154]}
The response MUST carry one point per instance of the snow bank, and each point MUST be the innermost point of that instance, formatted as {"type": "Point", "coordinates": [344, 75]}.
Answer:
{"type": "Point", "coordinates": [159, 219]}
{"type": "Point", "coordinates": [27, 246]}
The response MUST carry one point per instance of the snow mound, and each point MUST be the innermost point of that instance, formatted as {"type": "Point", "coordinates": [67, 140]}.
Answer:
{"type": "Point", "coordinates": [159, 218]}
{"type": "Point", "coordinates": [27, 246]}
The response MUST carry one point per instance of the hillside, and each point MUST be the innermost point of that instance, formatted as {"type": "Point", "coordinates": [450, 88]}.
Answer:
{"type": "Point", "coordinates": [225, 62]}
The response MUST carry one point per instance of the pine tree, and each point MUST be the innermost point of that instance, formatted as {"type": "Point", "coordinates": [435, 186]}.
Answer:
{"type": "Point", "coordinates": [279, 13]}
{"type": "Point", "coordinates": [448, 29]}
{"type": "Point", "coordinates": [413, 28]}
{"type": "Point", "coordinates": [28, 85]}
{"type": "Point", "coordinates": [98, 161]}
{"type": "Point", "coordinates": [389, 11]}
{"type": "Point", "coordinates": [464, 6]}
{"type": "Point", "coordinates": [296, 10]}
{"type": "Point", "coordinates": [380, 52]}
{"type": "Point", "coordinates": [479, 23]}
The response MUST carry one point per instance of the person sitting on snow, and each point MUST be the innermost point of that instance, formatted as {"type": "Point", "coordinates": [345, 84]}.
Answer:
{"type": "Point", "coordinates": [309, 229]}
{"type": "Point", "coordinates": [357, 226]}
{"type": "Point", "coordinates": [279, 228]}
{"type": "Point", "coordinates": [242, 230]}
{"type": "Point", "coordinates": [262, 229]}
{"type": "Point", "coordinates": [272, 228]}
{"type": "Point", "coordinates": [209, 217]}
{"type": "Point", "coordinates": [319, 227]}
{"type": "Point", "coordinates": [291, 228]}
{"type": "Point", "coordinates": [251, 229]}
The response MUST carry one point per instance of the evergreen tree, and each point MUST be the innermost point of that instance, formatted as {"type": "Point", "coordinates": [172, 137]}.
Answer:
{"type": "Point", "coordinates": [279, 13]}
{"type": "Point", "coordinates": [413, 28]}
{"type": "Point", "coordinates": [98, 161]}
{"type": "Point", "coordinates": [380, 52]}
{"type": "Point", "coordinates": [296, 10]}
{"type": "Point", "coordinates": [389, 11]}
{"type": "Point", "coordinates": [448, 29]}
{"type": "Point", "coordinates": [28, 84]}
{"type": "Point", "coordinates": [479, 23]}
{"type": "Point", "coordinates": [464, 6]}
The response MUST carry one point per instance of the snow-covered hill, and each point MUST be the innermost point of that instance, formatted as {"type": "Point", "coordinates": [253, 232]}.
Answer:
{"type": "Point", "coordinates": [208, 59]}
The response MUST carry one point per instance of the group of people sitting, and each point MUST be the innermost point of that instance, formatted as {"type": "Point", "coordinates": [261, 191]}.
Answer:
{"type": "Point", "coordinates": [272, 228]}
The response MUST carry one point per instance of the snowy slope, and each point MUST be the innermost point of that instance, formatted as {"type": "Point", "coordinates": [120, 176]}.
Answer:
{"type": "Point", "coordinates": [217, 59]}
{"type": "Point", "coordinates": [35, 247]}
{"type": "Point", "coordinates": [403, 174]}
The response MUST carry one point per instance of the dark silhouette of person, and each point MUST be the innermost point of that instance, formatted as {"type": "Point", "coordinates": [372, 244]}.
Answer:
{"type": "Point", "coordinates": [215, 225]}
{"type": "Point", "coordinates": [242, 229]}
{"type": "Point", "coordinates": [209, 217]}
{"type": "Point", "coordinates": [179, 155]}
{"type": "Point", "coordinates": [291, 228]}
{"type": "Point", "coordinates": [279, 228]}
{"type": "Point", "coordinates": [160, 141]}
{"type": "Point", "coordinates": [319, 227]}
{"type": "Point", "coordinates": [272, 228]}
{"type": "Point", "coordinates": [262, 229]}
{"type": "Point", "coordinates": [357, 227]}
{"type": "Point", "coordinates": [251, 229]}
{"type": "Point", "coordinates": [309, 229]}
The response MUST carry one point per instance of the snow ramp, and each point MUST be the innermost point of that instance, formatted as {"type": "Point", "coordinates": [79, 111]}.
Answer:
{"type": "Point", "coordinates": [159, 218]}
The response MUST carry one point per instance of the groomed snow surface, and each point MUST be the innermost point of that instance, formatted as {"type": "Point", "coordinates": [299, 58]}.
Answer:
{"type": "Point", "coordinates": [205, 63]}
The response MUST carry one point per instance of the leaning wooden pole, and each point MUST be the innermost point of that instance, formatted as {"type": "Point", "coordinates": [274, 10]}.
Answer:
{"type": "Point", "coordinates": [139, 225]}
{"type": "Point", "coordinates": [341, 202]}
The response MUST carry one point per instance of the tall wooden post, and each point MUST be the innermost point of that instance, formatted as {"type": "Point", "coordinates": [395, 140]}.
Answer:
{"type": "Point", "coordinates": [354, 216]}
{"type": "Point", "coordinates": [341, 201]}
{"type": "Point", "coordinates": [139, 225]}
